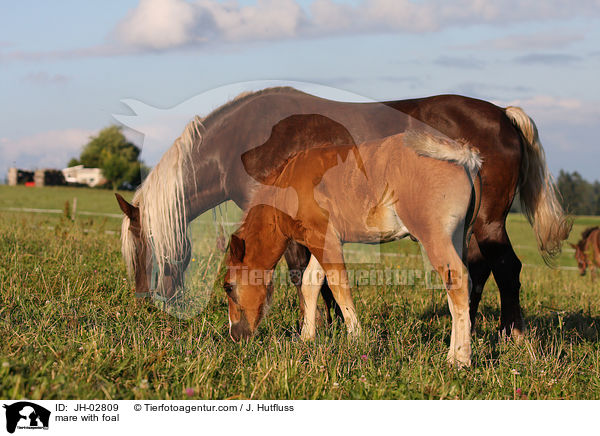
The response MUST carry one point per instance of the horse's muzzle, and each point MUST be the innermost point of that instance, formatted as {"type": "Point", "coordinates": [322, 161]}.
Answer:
{"type": "Point", "coordinates": [240, 330]}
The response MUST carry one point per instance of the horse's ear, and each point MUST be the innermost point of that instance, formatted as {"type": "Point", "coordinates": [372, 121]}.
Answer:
{"type": "Point", "coordinates": [128, 209]}
{"type": "Point", "coordinates": [237, 247]}
{"type": "Point", "coordinates": [572, 245]}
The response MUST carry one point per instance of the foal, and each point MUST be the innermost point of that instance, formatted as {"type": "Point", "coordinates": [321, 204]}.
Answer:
{"type": "Point", "coordinates": [412, 184]}
{"type": "Point", "coordinates": [587, 251]}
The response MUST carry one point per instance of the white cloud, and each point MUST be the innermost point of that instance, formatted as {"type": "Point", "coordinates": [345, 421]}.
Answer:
{"type": "Point", "coordinates": [163, 24]}
{"type": "Point", "coordinates": [268, 19]}
{"type": "Point", "coordinates": [158, 24]}
{"type": "Point", "coordinates": [51, 149]}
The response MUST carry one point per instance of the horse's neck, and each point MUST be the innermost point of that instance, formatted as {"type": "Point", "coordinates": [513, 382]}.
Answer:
{"type": "Point", "coordinates": [264, 239]}
{"type": "Point", "coordinates": [204, 189]}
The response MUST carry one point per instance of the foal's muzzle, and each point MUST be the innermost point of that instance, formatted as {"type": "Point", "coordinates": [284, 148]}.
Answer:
{"type": "Point", "coordinates": [240, 330]}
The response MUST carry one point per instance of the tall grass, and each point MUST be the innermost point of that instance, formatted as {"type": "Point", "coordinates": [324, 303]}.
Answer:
{"type": "Point", "coordinates": [71, 328]}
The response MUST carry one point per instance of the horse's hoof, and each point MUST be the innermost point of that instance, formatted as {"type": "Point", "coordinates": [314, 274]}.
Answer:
{"type": "Point", "coordinates": [307, 336]}
{"type": "Point", "coordinates": [460, 358]}
{"type": "Point", "coordinates": [355, 333]}
{"type": "Point", "coordinates": [515, 331]}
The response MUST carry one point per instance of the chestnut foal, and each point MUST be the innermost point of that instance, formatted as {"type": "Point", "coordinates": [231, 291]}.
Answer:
{"type": "Point", "coordinates": [412, 184]}
{"type": "Point", "coordinates": [587, 251]}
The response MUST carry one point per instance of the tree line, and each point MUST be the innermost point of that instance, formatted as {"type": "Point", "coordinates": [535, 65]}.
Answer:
{"type": "Point", "coordinates": [579, 197]}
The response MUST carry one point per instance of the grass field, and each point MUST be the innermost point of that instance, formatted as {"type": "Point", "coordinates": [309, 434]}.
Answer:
{"type": "Point", "coordinates": [72, 328]}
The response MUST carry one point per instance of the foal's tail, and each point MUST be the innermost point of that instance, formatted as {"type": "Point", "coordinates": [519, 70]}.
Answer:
{"type": "Point", "coordinates": [460, 152]}
{"type": "Point", "coordinates": [539, 197]}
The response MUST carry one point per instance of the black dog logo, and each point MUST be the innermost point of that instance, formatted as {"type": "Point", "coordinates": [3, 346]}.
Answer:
{"type": "Point", "coordinates": [26, 415]}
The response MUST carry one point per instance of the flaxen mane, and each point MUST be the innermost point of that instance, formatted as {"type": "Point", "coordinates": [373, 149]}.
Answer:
{"type": "Point", "coordinates": [161, 197]}
{"type": "Point", "coordinates": [161, 201]}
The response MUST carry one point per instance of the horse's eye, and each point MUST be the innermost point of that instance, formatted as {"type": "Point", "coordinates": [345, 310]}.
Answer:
{"type": "Point", "coordinates": [228, 288]}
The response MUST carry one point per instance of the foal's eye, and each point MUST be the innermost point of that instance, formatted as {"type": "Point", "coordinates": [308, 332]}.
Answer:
{"type": "Point", "coordinates": [228, 288]}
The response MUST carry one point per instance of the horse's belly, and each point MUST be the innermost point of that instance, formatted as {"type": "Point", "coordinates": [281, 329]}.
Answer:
{"type": "Point", "coordinates": [383, 225]}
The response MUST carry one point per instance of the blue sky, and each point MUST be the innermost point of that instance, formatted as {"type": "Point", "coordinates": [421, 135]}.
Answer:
{"type": "Point", "coordinates": [65, 66]}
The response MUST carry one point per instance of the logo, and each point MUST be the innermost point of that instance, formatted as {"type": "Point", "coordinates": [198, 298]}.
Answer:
{"type": "Point", "coordinates": [26, 415]}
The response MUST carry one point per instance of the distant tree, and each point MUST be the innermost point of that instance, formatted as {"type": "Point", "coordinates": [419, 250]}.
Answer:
{"type": "Point", "coordinates": [73, 163]}
{"type": "Point", "coordinates": [596, 189]}
{"type": "Point", "coordinates": [578, 195]}
{"type": "Point", "coordinates": [117, 157]}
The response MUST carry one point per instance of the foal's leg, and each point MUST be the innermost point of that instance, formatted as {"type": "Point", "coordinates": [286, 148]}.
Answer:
{"type": "Point", "coordinates": [449, 265]}
{"type": "Point", "coordinates": [312, 279]}
{"type": "Point", "coordinates": [297, 257]}
{"type": "Point", "coordinates": [337, 277]}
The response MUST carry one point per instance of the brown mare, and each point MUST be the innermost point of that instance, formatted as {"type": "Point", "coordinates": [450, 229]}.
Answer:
{"type": "Point", "coordinates": [587, 251]}
{"type": "Point", "coordinates": [204, 168]}
{"type": "Point", "coordinates": [383, 190]}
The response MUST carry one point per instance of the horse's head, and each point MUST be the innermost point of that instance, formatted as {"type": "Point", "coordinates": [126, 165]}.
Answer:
{"type": "Point", "coordinates": [137, 252]}
{"type": "Point", "coordinates": [580, 257]}
{"type": "Point", "coordinates": [248, 290]}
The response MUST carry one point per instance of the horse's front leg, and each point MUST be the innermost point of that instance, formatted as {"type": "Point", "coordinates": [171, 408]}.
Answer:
{"type": "Point", "coordinates": [312, 280]}
{"type": "Point", "coordinates": [332, 261]}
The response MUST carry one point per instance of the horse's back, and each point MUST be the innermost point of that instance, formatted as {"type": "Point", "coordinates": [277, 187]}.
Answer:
{"type": "Point", "coordinates": [380, 190]}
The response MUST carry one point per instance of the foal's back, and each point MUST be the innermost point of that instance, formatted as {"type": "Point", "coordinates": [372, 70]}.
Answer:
{"type": "Point", "coordinates": [376, 191]}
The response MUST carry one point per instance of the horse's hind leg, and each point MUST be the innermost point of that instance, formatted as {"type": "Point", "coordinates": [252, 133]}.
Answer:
{"type": "Point", "coordinates": [448, 264]}
{"type": "Point", "coordinates": [506, 267]}
{"type": "Point", "coordinates": [479, 271]}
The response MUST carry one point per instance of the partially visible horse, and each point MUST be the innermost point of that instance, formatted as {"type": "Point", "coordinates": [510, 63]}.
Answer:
{"type": "Point", "coordinates": [203, 168]}
{"type": "Point", "coordinates": [379, 191]}
{"type": "Point", "coordinates": [587, 251]}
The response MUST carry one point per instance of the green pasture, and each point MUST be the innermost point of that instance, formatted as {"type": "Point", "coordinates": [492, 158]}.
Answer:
{"type": "Point", "coordinates": [72, 329]}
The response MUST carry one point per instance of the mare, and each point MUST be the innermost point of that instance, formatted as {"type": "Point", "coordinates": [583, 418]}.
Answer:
{"type": "Point", "coordinates": [203, 168]}
{"type": "Point", "coordinates": [411, 184]}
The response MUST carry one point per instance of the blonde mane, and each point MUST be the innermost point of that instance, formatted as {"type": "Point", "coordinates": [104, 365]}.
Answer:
{"type": "Point", "coordinates": [161, 201]}
{"type": "Point", "coordinates": [161, 197]}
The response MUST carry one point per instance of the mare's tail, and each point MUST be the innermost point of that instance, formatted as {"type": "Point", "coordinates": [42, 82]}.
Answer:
{"type": "Point", "coordinates": [539, 196]}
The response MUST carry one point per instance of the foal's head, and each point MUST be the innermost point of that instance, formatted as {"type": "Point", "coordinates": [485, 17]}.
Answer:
{"type": "Point", "coordinates": [137, 251]}
{"type": "Point", "coordinates": [580, 257]}
{"type": "Point", "coordinates": [248, 290]}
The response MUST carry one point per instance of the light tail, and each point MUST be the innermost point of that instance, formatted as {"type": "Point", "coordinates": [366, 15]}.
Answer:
{"type": "Point", "coordinates": [459, 152]}
{"type": "Point", "coordinates": [538, 193]}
